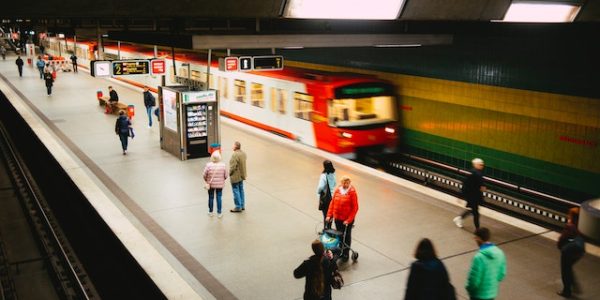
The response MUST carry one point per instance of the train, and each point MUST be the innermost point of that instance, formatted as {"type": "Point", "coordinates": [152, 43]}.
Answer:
{"type": "Point", "coordinates": [339, 112]}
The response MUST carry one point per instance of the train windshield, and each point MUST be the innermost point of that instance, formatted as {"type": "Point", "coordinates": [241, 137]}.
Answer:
{"type": "Point", "coordinates": [362, 105]}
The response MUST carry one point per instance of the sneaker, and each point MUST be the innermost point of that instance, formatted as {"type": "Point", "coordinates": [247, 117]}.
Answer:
{"type": "Point", "coordinates": [235, 210]}
{"type": "Point", "coordinates": [458, 222]}
{"type": "Point", "coordinates": [219, 216]}
{"type": "Point", "coordinates": [210, 214]}
{"type": "Point", "coordinates": [243, 208]}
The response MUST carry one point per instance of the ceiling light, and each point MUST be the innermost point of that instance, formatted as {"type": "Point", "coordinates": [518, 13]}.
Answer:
{"type": "Point", "coordinates": [396, 46]}
{"type": "Point", "coordinates": [344, 9]}
{"type": "Point", "coordinates": [541, 12]}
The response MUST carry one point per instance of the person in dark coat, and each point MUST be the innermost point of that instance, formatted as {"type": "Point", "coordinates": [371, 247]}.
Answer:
{"type": "Point", "coordinates": [149, 103]}
{"type": "Point", "coordinates": [19, 63]}
{"type": "Point", "coordinates": [428, 279]}
{"type": "Point", "coordinates": [74, 62]}
{"type": "Point", "coordinates": [326, 187]}
{"type": "Point", "coordinates": [113, 98]}
{"type": "Point", "coordinates": [122, 128]}
{"type": "Point", "coordinates": [318, 271]}
{"type": "Point", "coordinates": [472, 191]}
{"type": "Point", "coordinates": [49, 80]}
{"type": "Point", "coordinates": [572, 249]}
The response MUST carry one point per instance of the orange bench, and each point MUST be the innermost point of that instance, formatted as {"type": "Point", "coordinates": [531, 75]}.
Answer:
{"type": "Point", "coordinates": [115, 108]}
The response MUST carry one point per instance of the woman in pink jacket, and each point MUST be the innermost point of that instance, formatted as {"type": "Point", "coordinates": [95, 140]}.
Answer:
{"type": "Point", "coordinates": [215, 174]}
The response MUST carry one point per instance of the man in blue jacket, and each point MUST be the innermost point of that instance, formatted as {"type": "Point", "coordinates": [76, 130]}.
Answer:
{"type": "Point", "coordinates": [487, 269]}
{"type": "Point", "coordinates": [149, 102]}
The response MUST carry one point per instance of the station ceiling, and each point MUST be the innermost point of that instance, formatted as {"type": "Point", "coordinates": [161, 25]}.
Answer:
{"type": "Point", "coordinates": [426, 10]}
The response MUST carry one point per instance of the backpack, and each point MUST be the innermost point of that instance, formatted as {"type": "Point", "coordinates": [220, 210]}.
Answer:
{"type": "Point", "coordinates": [123, 125]}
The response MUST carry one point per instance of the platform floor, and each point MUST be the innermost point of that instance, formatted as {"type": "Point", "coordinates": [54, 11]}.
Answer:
{"type": "Point", "coordinates": [252, 255]}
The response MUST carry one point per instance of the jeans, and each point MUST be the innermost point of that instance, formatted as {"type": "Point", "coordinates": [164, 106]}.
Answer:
{"type": "Point", "coordinates": [149, 111]}
{"type": "Point", "coordinates": [49, 89]}
{"type": "Point", "coordinates": [124, 137]}
{"type": "Point", "coordinates": [41, 72]}
{"type": "Point", "coordinates": [20, 71]}
{"type": "Point", "coordinates": [238, 194]}
{"type": "Point", "coordinates": [347, 239]}
{"type": "Point", "coordinates": [211, 197]}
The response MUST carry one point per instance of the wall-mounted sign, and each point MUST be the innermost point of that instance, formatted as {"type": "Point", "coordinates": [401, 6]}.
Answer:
{"type": "Point", "coordinates": [131, 67]}
{"type": "Point", "coordinates": [228, 64]}
{"type": "Point", "coordinates": [246, 63]}
{"type": "Point", "coordinates": [251, 63]}
{"type": "Point", "coordinates": [100, 68]}
{"type": "Point", "coordinates": [199, 96]}
{"type": "Point", "coordinates": [158, 66]}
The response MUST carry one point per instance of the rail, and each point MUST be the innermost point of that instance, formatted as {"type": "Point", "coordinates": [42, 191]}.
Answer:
{"type": "Point", "coordinates": [81, 290]}
{"type": "Point", "coordinates": [501, 201]}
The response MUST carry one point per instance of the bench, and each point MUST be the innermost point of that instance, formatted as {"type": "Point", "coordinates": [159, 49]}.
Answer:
{"type": "Point", "coordinates": [116, 108]}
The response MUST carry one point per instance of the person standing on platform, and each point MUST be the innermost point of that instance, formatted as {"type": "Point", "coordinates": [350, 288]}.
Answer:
{"type": "Point", "coordinates": [472, 191]}
{"type": "Point", "coordinates": [318, 271]}
{"type": "Point", "coordinates": [237, 174]}
{"type": "Point", "coordinates": [3, 52]}
{"type": "Point", "coordinates": [49, 81]}
{"type": "Point", "coordinates": [113, 98]}
{"type": "Point", "coordinates": [40, 64]}
{"type": "Point", "coordinates": [74, 62]}
{"type": "Point", "coordinates": [19, 63]}
{"type": "Point", "coordinates": [326, 187]}
{"type": "Point", "coordinates": [122, 129]}
{"type": "Point", "coordinates": [42, 49]}
{"type": "Point", "coordinates": [342, 210]}
{"type": "Point", "coordinates": [488, 268]}
{"type": "Point", "coordinates": [149, 102]}
{"type": "Point", "coordinates": [215, 174]}
{"type": "Point", "coordinates": [572, 249]}
{"type": "Point", "coordinates": [428, 279]}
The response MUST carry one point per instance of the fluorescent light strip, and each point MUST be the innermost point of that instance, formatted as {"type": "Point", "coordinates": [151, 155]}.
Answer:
{"type": "Point", "coordinates": [344, 9]}
{"type": "Point", "coordinates": [541, 12]}
{"type": "Point", "coordinates": [397, 46]}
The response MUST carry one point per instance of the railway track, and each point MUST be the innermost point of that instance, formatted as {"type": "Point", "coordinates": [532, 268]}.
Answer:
{"type": "Point", "coordinates": [69, 277]}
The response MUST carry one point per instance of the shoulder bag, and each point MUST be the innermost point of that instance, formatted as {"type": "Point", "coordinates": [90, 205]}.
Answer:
{"type": "Point", "coordinates": [325, 195]}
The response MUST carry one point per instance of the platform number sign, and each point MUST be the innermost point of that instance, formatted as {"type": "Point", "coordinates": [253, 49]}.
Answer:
{"type": "Point", "coordinates": [246, 63]}
{"type": "Point", "coordinates": [131, 67]}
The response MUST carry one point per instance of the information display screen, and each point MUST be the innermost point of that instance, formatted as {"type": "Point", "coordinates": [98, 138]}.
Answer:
{"type": "Point", "coordinates": [130, 67]}
{"type": "Point", "coordinates": [273, 62]}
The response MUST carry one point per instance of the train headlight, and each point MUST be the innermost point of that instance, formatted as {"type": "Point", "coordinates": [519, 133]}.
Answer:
{"type": "Point", "coordinates": [347, 135]}
{"type": "Point", "coordinates": [390, 130]}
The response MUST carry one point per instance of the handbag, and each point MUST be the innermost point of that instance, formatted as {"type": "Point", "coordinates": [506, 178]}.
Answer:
{"type": "Point", "coordinates": [207, 185]}
{"type": "Point", "coordinates": [325, 195]}
{"type": "Point", "coordinates": [337, 281]}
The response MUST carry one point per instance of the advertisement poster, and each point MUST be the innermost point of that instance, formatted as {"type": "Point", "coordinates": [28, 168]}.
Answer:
{"type": "Point", "coordinates": [170, 109]}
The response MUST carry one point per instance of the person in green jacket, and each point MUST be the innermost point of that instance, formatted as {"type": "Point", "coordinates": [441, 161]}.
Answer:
{"type": "Point", "coordinates": [237, 175]}
{"type": "Point", "coordinates": [487, 269]}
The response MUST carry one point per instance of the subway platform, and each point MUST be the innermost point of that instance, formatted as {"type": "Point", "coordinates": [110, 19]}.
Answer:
{"type": "Point", "coordinates": [251, 255]}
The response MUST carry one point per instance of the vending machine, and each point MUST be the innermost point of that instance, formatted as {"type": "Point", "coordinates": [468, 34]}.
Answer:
{"type": "Point", "coordinates": [189, 121]}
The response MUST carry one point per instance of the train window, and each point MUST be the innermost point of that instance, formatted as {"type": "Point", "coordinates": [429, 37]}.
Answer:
{"type": "Point", "coordinates": [361, 111]}
{"type": "Point", "coordinates": [274, 99]}
{"type": "Point", "coordinates": [211, 79]}
{"type": "Point", "coordinates": [257, 96]}
{"type": "Point", "coordinates": [282, 101]}
{"type": "Point", "coordinates": [240, 90]}
{"type": "Point", "coordinates": [196, 75]}
{"type": "Point", "coordinates": [303, 105]}
{"type": "Point", "coordinates": [223, 88]}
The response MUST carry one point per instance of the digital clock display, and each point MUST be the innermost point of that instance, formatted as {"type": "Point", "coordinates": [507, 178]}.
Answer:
{"type": "Point", "coordinates": [130, 67]}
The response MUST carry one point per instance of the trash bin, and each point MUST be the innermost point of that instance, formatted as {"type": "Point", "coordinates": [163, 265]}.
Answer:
{"type": "Point", "coordinates": [98, 94]}
{"type": "Point", "coordinates": [130, 111]}
{"type": "Point", "coordinates": [214, 147]}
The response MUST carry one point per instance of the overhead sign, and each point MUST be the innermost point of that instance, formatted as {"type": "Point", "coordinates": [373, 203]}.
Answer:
{"type": "Point", "coordinates": [131, 67]}
{"type": "Point", "coordinates": [100, 68]}
{"type": "Point", "coordinates": [228, 64]}
{"type": "Point", "coordinates": [246, 63]}
{"type": "Point", "coordinates": [267, 63]}
{"type": "Point", "coordinates": [158, 66]}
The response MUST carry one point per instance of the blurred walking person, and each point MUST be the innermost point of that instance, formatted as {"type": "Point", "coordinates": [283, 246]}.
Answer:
{"type": "Point", "coordinates": [3, 52]}
{"type": "Point", "coordinates": [428, 279]}
{"type": "Point", "coordinates": [40, 64]}
{"type": "Point", "coordinates": [19, 63]}
{"type": "Point", "coordinates": [488, 268]}
{"type": "Point", "coordinates": [49, 81]}
{"type": "Point", "coordinates": [215, 174]}
{"type": "Point", "coordinates": [122, 129]}
{"type": "Point", "coordinates": [74, 62]}
{"type": "Point", "coordinates": [472, 191]}
{"type": "Point", "coordinates": [326, 187]}
{"type": "Point", "coordinates": [572, 249]}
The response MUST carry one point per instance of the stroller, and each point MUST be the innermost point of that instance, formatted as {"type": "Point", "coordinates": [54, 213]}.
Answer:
{"type": "Point", "coordinates": [334, 241]}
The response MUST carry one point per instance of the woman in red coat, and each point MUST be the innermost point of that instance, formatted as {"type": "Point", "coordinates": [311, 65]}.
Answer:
{"type": "Point", "coordinates": [343, 209]}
